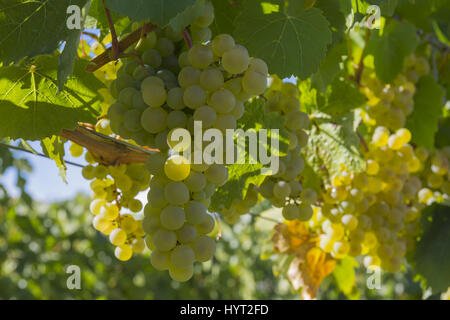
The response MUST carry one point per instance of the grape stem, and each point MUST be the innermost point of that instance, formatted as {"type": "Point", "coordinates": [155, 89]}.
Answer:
{"type": "Point", "coordinates": [37, 154]}
{"type": "Point", "coordinates": [363, 142]}
{"type": "Point", "coordinates": [115, 44]}
{"type": "Point", "coordinates": [360, 68]}
{"type": "Point", "coordinates": [187, 38]}
{"type": "Point", "coordinates": [263, 217]}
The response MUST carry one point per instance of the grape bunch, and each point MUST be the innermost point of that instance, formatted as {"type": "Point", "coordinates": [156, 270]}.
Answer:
{"type": "Point", "coordinates": [168, 87]}
{"type": "Point", "coordinates": [114, 189]}
{"type": "Point", "coordinates": [389, 105]}
{"type": "Point", "coordinates": [284, 189]}
{"type": "Point", "coordinates": [375, 212]}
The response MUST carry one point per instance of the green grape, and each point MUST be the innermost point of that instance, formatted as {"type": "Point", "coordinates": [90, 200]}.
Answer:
{"type": "Point", "coordinates": [165, 47]}
{"type": "Point", "coordinates": [222, 43]}
{"type": "Point", "coordinates": [182, 256]}
{"type": "Point", "coordinates": [306, 212]}
{"type": "Point", "coordinates": [138, 102]}
{"type": "Point", "coordinates": [206, 115]}
{"type": "Point", "coordinates": [138, 245]}
{"type": "Point", "coordinates": [132, 120]}
{"type": "Point", "coordinates": [236, 60]}
{"type": "Point", "coordinates": [187, 234]}
{"type": "Point", "coordinates": [210, 189]}
{"type": "Point", "coordinates": [154, 120]}
{"type": "Point", "coordinates": [207, 225]}
{"type": "Point", "coordinates": [135, 205]}
{"type": "Point", "coordinates": [164, 240]}
{"type": "Point", "coordinates": [123, 252]}
{"type": "Point", "coordinates": [168, 77]}
{"type": "Point", "coordinates": [160, 260]}
{"type": "Point", "coordinates": [88, 172]}
{"type": "Point", "coordinates": [109, 211]}
{"type": "Point", "coordinates": [155, 163]}
{"type": "Point", "coordinates": [296, 120]}
{"type": "Point", "coordinates": [234, 85]}
{"type": "Point", "coordinates": [116, 112]}
{"type": "Point", "coordinates": [207, 16]}
{"type": "Point", "coordinates": [151, 223]}
{"type": "Point", "coordinates": [204, 248]}
{"type": "Point", "coordinates": [291, 212]}
{"type": "Point", "coordinates": [308, 196]}
{"type": "Point", "coordinates": [200, 56]}
{"type": "Point", "coordinates": [211, 79]}
{"type": "Point", "coordinates": [177, 168]}
{"type": "Point", "coordinates": [156, 197]}
{"type": "Point", "coordinates": [195, 212]}
{"type": "Point", "coordinates": [217, 174]}
{"type": "Point", "coordinates": [152, 58]}
{"type": "Point", "coordinates": [176, 193]}
{"type": "Point", "coordinates": [188, 76]}
{"type": "Point", "coordinates": [223, 101]}
{"type": "Point", "coordinates": [96, 205]}
{"type": "Point", "coordinates": [142, 72]}
{"type": "Point", "coordinates": [181, 275]}
{"type": "Point", "coordinates": [126, 96]}
{"type": "Point", "coordinates": [153, 95]}
{"type": "Point", "coordinates": [281, 190]}
{"type": "Point", "coordinates": [200, 35]}
{"type": "Point", "coordinates": [195, 182]}
{"type": "Point", "coordinates": [194, 97]}
{"type": "Point", "coordinates": [175, 98]}
{"type": "Point", "coordinates": [238, 110]}
{"type": "Point", "coordinates": [118, 237]}
{"type": "Point", "coordinates": [124, 183]}
{"type": "Point", "coordinates": [254, 82]}
{"type": "Point", "coordinates": [161, 140]}
{"type": "Point", "coordinates": [176, 119]}
{"type": "Point", "coordinates": [260, 65]}
{"type": "Point", "coordinates": [127, 223]}
{"type": "Point", "coordinates": [224, 122]}
{"type": "Point", "coordinates": [172, 218]}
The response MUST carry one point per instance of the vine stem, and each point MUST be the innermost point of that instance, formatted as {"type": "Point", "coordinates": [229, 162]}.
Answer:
{"type": "Point", "coordinates": [363, 142]}
{"type": "Point", "coordinates": [2, 144]}
{"type": "Point", "coordinates": [263, 217]}
{"type": "Point", "coordinates": [115, 43]}
{"type": "Point", "coordinates": [360, 67]}
{"type": "Point", "coordinates": [187, 38]}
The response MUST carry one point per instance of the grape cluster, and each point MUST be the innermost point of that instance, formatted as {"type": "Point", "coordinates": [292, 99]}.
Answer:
{"type": "Point", "coordinates": [389, 104]}
{"type": "Point", "coordinates": [284, 189]}
{"type": "Point", "coordinates": [115, 188]}
{"type": "Point", "coordinates": [174, 87]}
{"type": "Point", "coordinates": [374, 212]}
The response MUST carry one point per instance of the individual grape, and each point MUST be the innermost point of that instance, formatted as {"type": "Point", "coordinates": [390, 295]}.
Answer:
{"type": "Point", "coordinates": [204, 248]}
{"type": "Point", "coordinates": [254, 82]}
{"type": "Point", "coordinates": [200, 35]}
{"type": "Point", "coordinates": [224, 122]}
{"type": "Point", "coordinates": [380, 137]}
{"type": "Point", "coordinates": [238, 110]}
{"type": "Point", "coordinates": [195, 212]}
{"type": "Point", "coordinates": [222, 43]}
{"type": "Point", "coordinates": [207, 225]}
{"type": "Point", "coordinates": [395, 142]}
{"type": "Point", "coordinates": [100, 223]}
{"type": "Point", "coordinates": [172, 218]}
{"type": "Point", "coordinates": [194, 96]}
{"type": "Point", "coordinates": [156, 197]}
{"type": "Point", "coordinates": [155, 163]}
{"type": "Point", "coordinates": [206, 115]}
{"type": "Point", "coordinates": [211, 79]}
{"type": "Point", "coordinates": [236, 60]}
{"type": "Point", "coordinates": [195, 182]}
{"type": "Point", "coordinates": [165, 47]}
{"type": "Point", "coordinates": [76, 150]}
{"type": "Point", "coordinates": [290, 212]}
{"type": "Point", "coordinates": [260, 65]}
{"type": "Point", "coordinates": [223, 101]}
{"type": "Point", "coordinates": [281, 190]}
{"type": "Point", "coordinates": [177, 168]}
{"type": "Point", "coordinates": [308, 196]}
{"type": "Point", "coordinates": [132, 120]}
{"type": "Point", "coordinates": [154, 120]}
{"type": "Point", "coordinates": [109, 211]}
{"type": "Point", "coordinates": [88, 172]}
{"type": "Point", "coordinates": [160, 260]}
{"type": "Point", "coordinates": [124, 183]}
{"type": "Point", "coordinates": [181, 275]}
{"type": "Point", "coordinates": [207, 16]}
{"type": "Point", "coordinates": [305, 212]}
{"type": "Point", "coordinates": [153, 95]}
{"type": "Point", "coordinates": [123, 252]}
{"type": "Point", "coordinates": [164, 240]}
{"type": "Point", "coordinates": [118, 237]}
{"type": "Point", "coordinates": [404, 135]}
{"type": "Point", "coordinates": [189, 76]}
{"type": "Point", "coordinates": [217, 174]}
{"type": "Point", "coordinates": [296, 120]}
{"type": "Point", "coordinates": [182, 256]}
{"type": "Point", "coordinates": [200, 56]}
{"type": "Point", "coordinates": [187, 234]}
{"type": "Point", "coordinates": [175, 98]}
{"type": "Point", "coordinates": [138, 245]}
{"type": "Point", "coordinates": [176, 193]}
{"type": "Point", "coordinates": [127, 223]}
{"type": "Point", "coordinates": [176, 119]}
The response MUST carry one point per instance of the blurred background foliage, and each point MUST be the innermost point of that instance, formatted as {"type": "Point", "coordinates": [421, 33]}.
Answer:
{"type": "Point", "coordinates": [38, 241]}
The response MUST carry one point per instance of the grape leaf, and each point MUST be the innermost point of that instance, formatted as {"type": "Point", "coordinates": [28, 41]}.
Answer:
{"type": "Point", "coordinates": [428, 102]}
{"type": "Point", "coordinates": [331, 11]}
{"type": "Point", "coordinates": [442, 137]}
{"type": "Point", "coordinates": [390, 49]}
{"type": "Point", "coordinates": [431, 258]}
{"type": "Point", "coordinates": [344, 273]}
{"type": "Point", "coordinates": [53, 147]}
{"type": "Point", "coordinates": [225, 13]}
{"type": "Point", "coordinates": [291, 40]}
{"type": "Point", "coordinates": [240, 176]}
{"type": "Point", "coordinates": [332, 142]}
{"type": "Point", "coordinates": [97, 11]}
{"type": "Point", "coordinates": [342, 96]}
{"type": "Point", "coordinates": [67, 57]}
{"type": "Point", "coordinates": [186, 17]}
{"type": "Point", "coordinates": [31, 108]}
{"type": "Point", "coordinates": [30, 28]}
{"type": "Point", "coordinates": [159, 12]}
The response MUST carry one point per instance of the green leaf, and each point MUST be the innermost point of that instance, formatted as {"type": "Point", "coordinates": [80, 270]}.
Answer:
{"type": "Point", "coordinates": [53, 147]}
{"type": "Point", "coordinates": [442, 137]}
{"type": "Point", "coordinates": [30, 28]}
{"type": "Point", "coordinates": [185, 18]}
{"type": "Point", "coordinates": [342, 96]}
{"type": "Point", "coordinates": [97, 11]}
{"type": "Point", "coordinates": [31, 108]}
{"type": "Point", "coordinates": [67, 57]}
{"type": "Point", "coordinates": [428, 102]}
{"type": "Point", "coordinates": [291, 41]}
{"type": "Point", "coordinates": [240, 176]}
{"type": "Point", "coordinates": [159, 12]}
{"type": "Point", "coordinates": [389, 50]}
{"type": "Point", "coordinates": [431, 258]}
{"type": "Point", "coordinates": [344, 273]}
{"type": "Point", "coordinates": [225, 14]}
{"type": "Point", "coordinates": [329, 67]}
{"type": "Point", "coordinates": [332, 142]}
{"type": "Point", "coordinates": [331, 11]}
